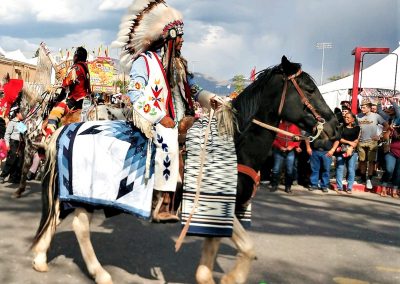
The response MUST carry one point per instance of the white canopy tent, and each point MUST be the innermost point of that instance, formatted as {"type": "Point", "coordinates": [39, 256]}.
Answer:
{"type": "Point", "coordinates": [381, 75]}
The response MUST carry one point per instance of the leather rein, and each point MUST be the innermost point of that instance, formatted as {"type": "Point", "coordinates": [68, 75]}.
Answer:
{"type": "Point", "coordinates": [255, 176]}
{"type": "Point", "coordinates": [305, 101]}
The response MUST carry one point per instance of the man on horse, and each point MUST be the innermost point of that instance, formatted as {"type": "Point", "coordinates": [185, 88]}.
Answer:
{"type": "Point", "coordinates": [76, 86]}
{"type": "Point", "coordinates": [161, 89]}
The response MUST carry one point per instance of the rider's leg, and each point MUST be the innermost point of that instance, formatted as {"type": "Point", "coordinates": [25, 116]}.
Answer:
{"type": "Point", "coordinates": [55, 116]}
{"type": "Point", "coordinates": [166, 173]}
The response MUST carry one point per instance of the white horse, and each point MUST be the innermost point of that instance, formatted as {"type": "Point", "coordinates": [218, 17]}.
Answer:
{"type": "Point", "coordinates": [278, 93]}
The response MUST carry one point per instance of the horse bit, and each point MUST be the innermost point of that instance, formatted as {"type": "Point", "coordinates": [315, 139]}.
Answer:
{"type": "Point", "coordinates": [305, 101]}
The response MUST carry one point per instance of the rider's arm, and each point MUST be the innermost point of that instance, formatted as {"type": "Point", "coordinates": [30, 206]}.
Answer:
{"type": "Point", "coordinates": [199, 94]}
{"type": "Point", "coordinates": [136, 91]}
{"type": "Point", "coordinates": [71, 76]}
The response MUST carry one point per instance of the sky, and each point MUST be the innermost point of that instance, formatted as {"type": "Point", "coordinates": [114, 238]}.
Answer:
{"type": "Point", "coordinates": [223, 38]}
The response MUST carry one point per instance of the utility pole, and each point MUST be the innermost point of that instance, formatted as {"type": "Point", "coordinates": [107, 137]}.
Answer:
{"type": "Point", "coordinates": [323, 45]}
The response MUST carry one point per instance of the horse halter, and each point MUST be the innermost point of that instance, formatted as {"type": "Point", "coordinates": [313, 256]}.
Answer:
{"type": "Point", "coordinates": [305, 101]}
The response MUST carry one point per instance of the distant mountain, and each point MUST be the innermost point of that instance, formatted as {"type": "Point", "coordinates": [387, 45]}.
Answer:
{"type": "Point", "coordinates": [222, 88]}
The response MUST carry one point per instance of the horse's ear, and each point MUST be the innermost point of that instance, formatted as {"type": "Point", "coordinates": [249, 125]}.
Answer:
{"type": "Point", "coordinates": [284, 60]}
{"type": "Point", "coordinates": [288, 67]}
{"type": "Point", "coordinates": [285, 63]}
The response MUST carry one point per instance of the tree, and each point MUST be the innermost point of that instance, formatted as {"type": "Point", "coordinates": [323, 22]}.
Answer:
{"type": "Point", "coordinates": [123, 86]}
{"type": "Point", "coordinates": [36, 53]}
{"type": "Point", "coordinates": [338, 77]}
{"type": "Point", "coordinates": [238, 83]}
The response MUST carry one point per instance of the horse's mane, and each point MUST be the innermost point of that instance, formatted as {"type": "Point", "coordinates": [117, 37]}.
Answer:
{"type": "Point", "coordinates": [248, 102]}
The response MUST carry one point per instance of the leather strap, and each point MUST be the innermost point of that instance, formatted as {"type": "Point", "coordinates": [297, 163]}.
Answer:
{"type": "Point", "coordinates": [255, 176]}
{"type": "Point", "coordinates": [305, 101]}
{"type": "Point", "coordinates": [283, 97]}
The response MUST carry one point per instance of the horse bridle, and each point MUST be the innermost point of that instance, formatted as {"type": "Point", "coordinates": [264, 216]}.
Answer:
{"type": "Point", "coordinates": [255, 176]}
{"type": "Point", "coordinates": [305, 101]}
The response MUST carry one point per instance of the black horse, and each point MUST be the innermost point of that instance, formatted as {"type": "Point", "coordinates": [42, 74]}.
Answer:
{"type": "Point", "coordinates": [265, 101]}
{"type": "Point", "coordinates": [281, 92]}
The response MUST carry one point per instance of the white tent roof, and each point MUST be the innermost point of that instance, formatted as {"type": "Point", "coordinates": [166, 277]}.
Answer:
{"type": "Point", "coordinates": [380, 75]}
{"type": "Point", "coordinates": [17, 55]}
{"type": "Point", "coordinates": [2, 52]}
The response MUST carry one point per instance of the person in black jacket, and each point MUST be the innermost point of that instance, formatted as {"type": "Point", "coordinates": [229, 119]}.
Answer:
{"type": "Point", "coordinates": [2, 128]}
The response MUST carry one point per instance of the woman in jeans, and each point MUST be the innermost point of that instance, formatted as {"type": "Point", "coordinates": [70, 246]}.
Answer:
{"type": "Point", "coordinates": [391, 175]}
{"type": "Point", "coordinates": [346, 153]}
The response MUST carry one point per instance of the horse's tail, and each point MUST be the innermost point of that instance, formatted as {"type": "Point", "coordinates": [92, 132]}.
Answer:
{"type": "Point", "coordinates": [49, 190]}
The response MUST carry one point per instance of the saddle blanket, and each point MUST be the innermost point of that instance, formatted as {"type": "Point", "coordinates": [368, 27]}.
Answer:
{"type": "Point", "coordinates": [103, 163]}
{"type": "Point", "coordinates": [216, 208]}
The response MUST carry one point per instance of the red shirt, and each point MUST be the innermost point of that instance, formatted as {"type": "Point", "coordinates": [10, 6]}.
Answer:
{"type": "Point", "coordinates": [80, 87]}
{"type": "Point", "coordinates": [285, 142]}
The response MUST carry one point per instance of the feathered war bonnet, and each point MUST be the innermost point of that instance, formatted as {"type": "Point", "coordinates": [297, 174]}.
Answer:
{"type": "Point", "coordinates": [146, 22]}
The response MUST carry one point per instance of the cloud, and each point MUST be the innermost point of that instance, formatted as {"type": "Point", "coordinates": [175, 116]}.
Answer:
{"type": "Point", "coordinates": [222, 38]}
{"type": "Point", "coordinates": [11, 44]}
{"type": "Point", "coordinates": [60, 11]}
{"type": "Point", "coordinates": [91, 39]}
{"type": "Point", "coordinates": [109, 5]}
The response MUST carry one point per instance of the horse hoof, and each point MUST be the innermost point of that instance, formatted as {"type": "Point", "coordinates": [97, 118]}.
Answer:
{"type": "Point", "coordinates": [227, 279]}
{"type": "Point", "coordinates": [204, 275]}
{"type": "Point", "coordinates": [40, 267]}
{"type": "Point", "coordinates": [104, 279]}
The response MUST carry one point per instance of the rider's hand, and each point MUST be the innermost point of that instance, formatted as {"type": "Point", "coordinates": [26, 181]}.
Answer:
{"type": "Point", "coordinates": [216, 102]}
{"type": "Point", "coordinates": [167, 122]}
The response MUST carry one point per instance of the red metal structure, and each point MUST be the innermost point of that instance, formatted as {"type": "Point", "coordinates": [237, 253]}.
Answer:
{"type": "Point", "coordinates": [357, 52]}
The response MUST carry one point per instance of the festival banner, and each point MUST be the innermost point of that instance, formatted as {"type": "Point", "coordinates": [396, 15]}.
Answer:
{"type": "Point", "coordinates": [102, 71]}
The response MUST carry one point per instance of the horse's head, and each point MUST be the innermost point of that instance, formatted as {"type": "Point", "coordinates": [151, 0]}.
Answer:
{"type": "Point", "coordinates": [303, 103]}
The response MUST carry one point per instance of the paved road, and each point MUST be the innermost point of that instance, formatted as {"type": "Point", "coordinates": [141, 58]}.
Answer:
{"type": "Point", "coordinates": [303, 238]}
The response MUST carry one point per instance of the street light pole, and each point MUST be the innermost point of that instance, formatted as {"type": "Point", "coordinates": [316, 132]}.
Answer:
{"type": "Point", "coordinates": [323, 45]}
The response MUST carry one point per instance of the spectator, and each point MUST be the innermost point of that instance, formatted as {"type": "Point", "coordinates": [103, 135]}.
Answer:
{"type": "Point", "coordinates": [303, 166]}
{"type": "Point", "coordinates": [346, 153]}
{"type": "Point", "coordinates": [321, 152]}
{"type": "Point", "coordinates": [2, 127]}
{"type": "Point", "coordinates": [368, 145]}
{"type": "Point", "coordinates": [283, 150]}
{"type": "Point", "coordinates": [392, 174]}
{"type": "Point", "coordinates": [13, 140]}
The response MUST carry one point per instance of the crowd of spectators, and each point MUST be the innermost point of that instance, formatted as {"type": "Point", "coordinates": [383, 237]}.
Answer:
{"type": "Point", "coordinates": [369, 145]}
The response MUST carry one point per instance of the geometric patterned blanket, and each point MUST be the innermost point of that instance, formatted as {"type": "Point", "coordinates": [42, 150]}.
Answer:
{"type": "Point", "coordinates": [216, 207]}
{"type": "Point", "coordinates": [103, 163]}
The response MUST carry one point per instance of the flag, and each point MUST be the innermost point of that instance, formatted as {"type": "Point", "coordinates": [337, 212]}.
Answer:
{"type": "Point", "coordinates": [253, 74]}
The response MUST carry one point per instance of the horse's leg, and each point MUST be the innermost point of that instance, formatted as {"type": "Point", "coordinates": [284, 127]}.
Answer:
{"type": "Point", "coordinates": [81, 226]}
{"type": "Point", "coordinates": [25, 168]}
{"type": "Point", "coordinates": [42, 246]}
{"type": "Point", "coordinates": [245, 256]}
{"type": "Point", "coordinates": [208, 254]}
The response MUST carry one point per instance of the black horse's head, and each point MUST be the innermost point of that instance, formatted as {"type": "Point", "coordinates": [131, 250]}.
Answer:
{"type": "Point", "coordinates": [268, 100]}
{"type": "Point", "coordinates": [308, 110]}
